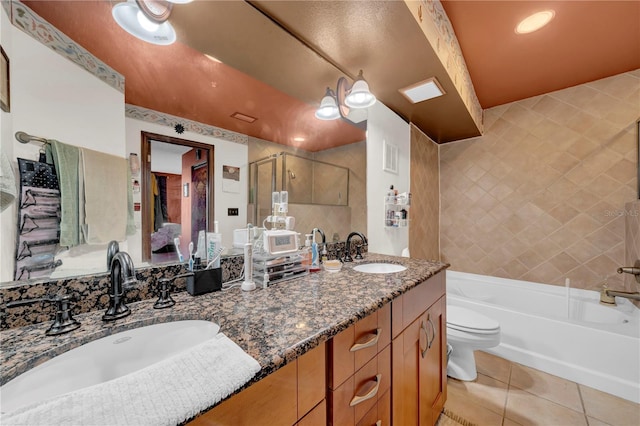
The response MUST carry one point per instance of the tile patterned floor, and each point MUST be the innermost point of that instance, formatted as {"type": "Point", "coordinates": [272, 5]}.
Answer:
{"type": "Point", "coordinates": [510, 394]}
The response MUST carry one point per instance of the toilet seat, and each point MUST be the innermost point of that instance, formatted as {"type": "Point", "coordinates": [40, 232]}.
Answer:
{"type": "Point", "coordinates": [462, 319]}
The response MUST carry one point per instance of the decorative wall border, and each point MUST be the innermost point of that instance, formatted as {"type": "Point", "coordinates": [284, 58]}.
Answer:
{"type": "Point", "coordinates": [32, 24]}
{"type": "Point", "coordinates": [440, 33]}
{"type": "Point", "coordinates": [156, 117]}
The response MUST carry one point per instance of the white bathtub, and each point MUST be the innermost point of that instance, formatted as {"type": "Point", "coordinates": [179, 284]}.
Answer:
{"type": "Point", "coordinates": [595, 345]}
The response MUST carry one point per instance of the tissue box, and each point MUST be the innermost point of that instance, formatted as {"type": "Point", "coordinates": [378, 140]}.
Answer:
{"type": "Point", "coordinates": [205, 281]}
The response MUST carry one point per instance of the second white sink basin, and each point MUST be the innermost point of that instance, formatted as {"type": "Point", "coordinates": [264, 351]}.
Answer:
{"type": "Point", "coordinates": [379, 268]}
{"type": "Point", "coordinates": [104, 359]}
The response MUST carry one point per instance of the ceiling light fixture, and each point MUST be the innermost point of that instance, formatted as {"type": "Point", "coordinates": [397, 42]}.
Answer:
{"type": "Point", "coordinates": [535, 21]}
{"type": "Point", "coordinates": [328, 107]}
{"type": "Point", "coordinates": [347, 101]}
{"type": "Point", "coordinates": [146, 20]}
{"type": "Point", "coordinates": [427, 89]}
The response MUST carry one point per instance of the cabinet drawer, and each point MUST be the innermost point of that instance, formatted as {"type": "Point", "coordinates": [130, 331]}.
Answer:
{"type": "Point", "coordinates": [360, 392]}
{"type": "Point", "coordinates": [380, 414]}
{"type": "Point", "coordinates": [315, 417]}
{"type": "Point", "coordinates": [354, 347]}
{"type": "Point", "coordinates": [413, 303]}
{"type": "Point", "coordinates": [311, 379]}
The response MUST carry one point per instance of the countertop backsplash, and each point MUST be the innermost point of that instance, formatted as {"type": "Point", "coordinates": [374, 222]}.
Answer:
{"type": "Point", "coordinates": [90, 291]}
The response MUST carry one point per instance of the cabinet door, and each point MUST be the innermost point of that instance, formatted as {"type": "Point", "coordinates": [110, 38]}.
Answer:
{"type": "Point", "coordinates": [433, 363]}
{"type": "Point", "coordinates": [419, 369]}
{"type": "Point", "coordinates": [406, 360]}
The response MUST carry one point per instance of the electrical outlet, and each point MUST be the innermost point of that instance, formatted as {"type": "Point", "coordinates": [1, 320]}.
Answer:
{"type": "Point", "coordinates": [232, 212]}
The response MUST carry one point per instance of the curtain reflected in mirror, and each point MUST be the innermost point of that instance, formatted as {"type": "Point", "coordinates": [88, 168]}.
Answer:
{"type": "Point", "coordinates": [177, 188]}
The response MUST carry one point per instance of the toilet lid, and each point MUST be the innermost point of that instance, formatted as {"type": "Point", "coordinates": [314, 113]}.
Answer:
{"type": "Point", "coordinates": [464, 319]}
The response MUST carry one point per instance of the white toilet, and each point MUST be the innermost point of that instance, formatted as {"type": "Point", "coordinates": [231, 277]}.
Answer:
{"type": "Point", "coordinates": [468, 331]}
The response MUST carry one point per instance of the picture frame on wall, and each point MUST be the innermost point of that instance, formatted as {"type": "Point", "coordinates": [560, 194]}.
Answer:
{"type": "Point", "coordinates": [5, 97]}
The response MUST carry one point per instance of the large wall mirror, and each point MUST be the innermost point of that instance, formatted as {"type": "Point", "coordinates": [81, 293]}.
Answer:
{"type": "Point", "coordinates": [177, 184]}
{"type": "Point", "coordinates": [42, 76]}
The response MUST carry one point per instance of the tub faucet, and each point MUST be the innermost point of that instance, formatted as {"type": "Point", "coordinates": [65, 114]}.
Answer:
{"type": "Point", "coordinates": [122, 274]}
{"type": "Point", "coordinates": [633, 270]}
{"type": "Point", "coordinates": [347, 255]}
{"type": "Point", "coordinates": [608, 297]}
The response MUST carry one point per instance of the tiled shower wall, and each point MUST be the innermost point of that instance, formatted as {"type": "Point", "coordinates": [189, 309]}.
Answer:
{"type": "Point", "coordinates": [424, 228]}
{"type": "Point", "coordinates": [541, 195]}
{"type": "Point", "coordinates": [632, 242]}
{"type": "Point", "coordinates": [332, 219]}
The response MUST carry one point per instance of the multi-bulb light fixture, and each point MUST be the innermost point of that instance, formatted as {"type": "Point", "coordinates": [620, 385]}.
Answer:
{"type": "Point", "coordinates": [338, 104]}
{"type": "Point", "coordinates": [147, 19]}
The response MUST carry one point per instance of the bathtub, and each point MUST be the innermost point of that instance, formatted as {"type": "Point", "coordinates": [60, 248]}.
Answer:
{"type": "Point", "coordinates": [579, 339]}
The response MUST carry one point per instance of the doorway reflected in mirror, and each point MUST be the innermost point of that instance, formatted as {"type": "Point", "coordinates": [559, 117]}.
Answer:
{"type": "Point", "coordinates": [172, 216]}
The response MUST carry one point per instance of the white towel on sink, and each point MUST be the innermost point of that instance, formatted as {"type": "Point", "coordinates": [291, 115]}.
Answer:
{"type": "Point", "coordinates": [166, 393]}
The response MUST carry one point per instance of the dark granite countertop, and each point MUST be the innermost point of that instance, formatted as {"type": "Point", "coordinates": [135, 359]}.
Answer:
{"type": "Point", "coordinates": [274, 325]}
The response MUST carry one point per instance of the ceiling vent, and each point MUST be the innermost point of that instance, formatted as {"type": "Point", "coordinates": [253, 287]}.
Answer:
{"type": "Point", "coordinates": [427, 89]}
{"type": "Point", "coordinates": [243, 117]}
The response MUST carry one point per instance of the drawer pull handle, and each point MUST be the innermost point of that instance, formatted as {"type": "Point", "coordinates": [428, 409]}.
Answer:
{"type": "Point", "coordinates": [423, 329]}
{"type": "Point", "coordinates": [373, 340]}
{"type": "Point", "coordinates": [373, 392]}
{"type": "Point", "coordinates": [433, 328]}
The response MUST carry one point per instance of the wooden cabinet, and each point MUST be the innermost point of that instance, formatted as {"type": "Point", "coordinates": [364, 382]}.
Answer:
{"type": "Point", "coordinates": [388, 368]}
{"type": "Point", "coordinates": [282, 398]}
{"type": "Point", "coordinates": [359, 370]}
{"type": "Point", "coordinates": [419, 355]}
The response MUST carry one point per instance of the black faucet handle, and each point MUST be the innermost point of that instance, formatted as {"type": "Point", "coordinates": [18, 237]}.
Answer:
{"type": "Point", "coordinates": [59, 299]}
{"type": "Point", "coordinates": [164, 291]}
{"type": "Point", "coordinates": [63, 321]}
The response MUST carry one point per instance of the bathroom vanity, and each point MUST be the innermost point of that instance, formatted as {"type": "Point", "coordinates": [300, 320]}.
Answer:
{"type": "Point", "coordinates": [334, 348]}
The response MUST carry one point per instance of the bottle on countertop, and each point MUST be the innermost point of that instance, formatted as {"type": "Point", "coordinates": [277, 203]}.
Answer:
{"type": "Point", "coordinates": [306, 251]}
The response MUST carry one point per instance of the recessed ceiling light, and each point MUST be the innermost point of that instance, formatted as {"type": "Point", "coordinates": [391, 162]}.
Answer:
{"type": "Point", "coordinates": [534, 22]}
{"type": "Point", "coordinates": [423, 90]}
{"type": "Point", "coordinates": [299, 139]}
{"type": "Point", "coordinates": [243, 117]}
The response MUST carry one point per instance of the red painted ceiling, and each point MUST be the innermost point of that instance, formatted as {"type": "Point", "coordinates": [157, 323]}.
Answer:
{"type": "Point", "coordinates": [587, 40]}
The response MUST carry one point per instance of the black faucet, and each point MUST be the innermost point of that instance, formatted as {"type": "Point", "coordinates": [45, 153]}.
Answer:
{"type": "Point", "coordinates": [122, 274]}
{"type": "Point", "coordinates": [112, 249]}
{"type": "Point", "coordinates": [347, 255]}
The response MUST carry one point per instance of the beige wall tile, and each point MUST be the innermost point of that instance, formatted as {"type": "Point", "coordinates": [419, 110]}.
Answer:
{"type": "Point", "coordinates": [424, 214]}
{"type": "Point", "coordinates": [551, 172]}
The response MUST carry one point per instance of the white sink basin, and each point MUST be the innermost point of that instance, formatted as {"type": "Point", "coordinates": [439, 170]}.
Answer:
{"type": "Point", "coordinates": [104, 359]}
{"type": "Point", "coordinates": [379, 268]}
